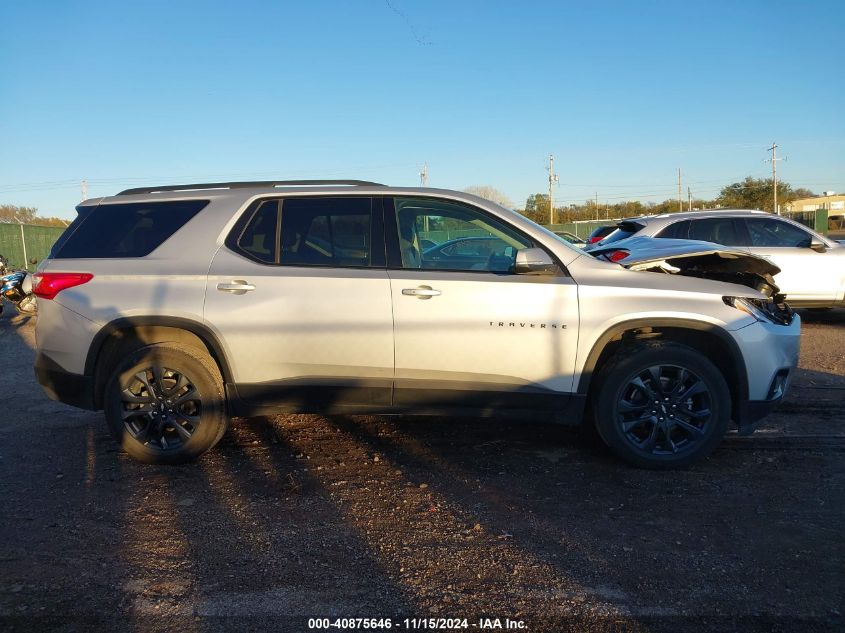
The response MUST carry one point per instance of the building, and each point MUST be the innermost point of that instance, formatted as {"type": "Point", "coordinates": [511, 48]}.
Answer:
{"type": "Point", "coordinates": [818, 211]}
{"type": "Point", "coordinates": [835, 204]}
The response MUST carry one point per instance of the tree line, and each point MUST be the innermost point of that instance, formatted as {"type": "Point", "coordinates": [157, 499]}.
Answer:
{"type": "Point", "coordinates": [12, 214]}
{"type": "Point", "coordinates": [751, 193]}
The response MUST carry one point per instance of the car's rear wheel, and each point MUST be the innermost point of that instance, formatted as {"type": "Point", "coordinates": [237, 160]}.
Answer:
{"type": "Point", "coordinates": [661, 405]}
{"type": "Point", "coordinates": [165, 404]}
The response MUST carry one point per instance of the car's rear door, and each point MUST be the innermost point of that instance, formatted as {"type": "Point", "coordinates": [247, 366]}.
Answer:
{"type": "Point", "coordinates": [300, 299]}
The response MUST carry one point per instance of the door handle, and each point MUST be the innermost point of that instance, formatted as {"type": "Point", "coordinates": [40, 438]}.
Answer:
{"type": "Point", "coordinates": [237, 287]}
{"type": "Point", "coordinates": [422, 292]}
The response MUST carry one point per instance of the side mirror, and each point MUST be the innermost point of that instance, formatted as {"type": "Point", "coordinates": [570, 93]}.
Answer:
{"type": "Point", "coordinates": [817, 245]}
{"type": "Point", "coordinates": [534, 261]}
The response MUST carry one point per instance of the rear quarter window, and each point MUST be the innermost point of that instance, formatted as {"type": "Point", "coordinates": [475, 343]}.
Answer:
{"type": "Point", "coordinates": [133, 229]}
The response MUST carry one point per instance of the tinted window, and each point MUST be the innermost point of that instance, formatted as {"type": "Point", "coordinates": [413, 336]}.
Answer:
{"type": "Point", "coordinates": [717, 230]}
{"type": "Point", "coordinates": [124, 230]}
{"type": "Point", "coordinates": [623, 231]}
{"type": "Point", "coordinates": [772, 232]}
{"type": "Point", "coordinates": [260, 236]}
{"type": "Point", "coordinates": [326, 232]}
{"type": "Point", "coordinates": [600, 232]}
{"type": "Point", "coordinates": [454, 226]}
{"type": "Point", "coordinates": [676, 231]}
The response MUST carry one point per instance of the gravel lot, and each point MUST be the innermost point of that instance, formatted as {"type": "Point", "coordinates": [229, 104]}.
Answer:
{"type": "Point", "coordinates": [306, 516]}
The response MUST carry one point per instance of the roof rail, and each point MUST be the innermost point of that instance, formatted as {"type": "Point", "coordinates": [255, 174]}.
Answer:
{"type": "Point", "coordinates": [242, 185]}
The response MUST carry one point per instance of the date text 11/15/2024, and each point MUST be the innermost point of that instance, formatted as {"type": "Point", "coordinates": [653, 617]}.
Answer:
{"type": "Point", "coordinates": [416, 624]}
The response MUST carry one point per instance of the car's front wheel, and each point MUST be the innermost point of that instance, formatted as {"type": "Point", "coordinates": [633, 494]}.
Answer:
{"type": "Point", "coordinates": [165, 403]}
{"type": "Point", "coordinates": [661, 405]}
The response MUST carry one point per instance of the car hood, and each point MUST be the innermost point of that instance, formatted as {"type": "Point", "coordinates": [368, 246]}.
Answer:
{"type": "Point", "coordinates": [695, 259]}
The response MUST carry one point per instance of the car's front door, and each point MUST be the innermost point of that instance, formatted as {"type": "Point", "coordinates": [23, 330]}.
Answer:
{"type": "Point", "coordinates": [475, 335]}
{"type": "Point", "coordinates": [300, 299]}
{"type": "Point", "coordinates": [806, 275]}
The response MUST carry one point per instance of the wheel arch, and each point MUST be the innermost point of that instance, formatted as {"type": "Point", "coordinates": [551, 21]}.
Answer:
{"type": "Point", "coordinates": [714, 342]}
{"type": "Point", "coordinates": [127, 333]}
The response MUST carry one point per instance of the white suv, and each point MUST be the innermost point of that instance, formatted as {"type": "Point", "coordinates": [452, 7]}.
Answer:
{"type": "Point", "coordinates": [812, 267]}
{"type": "Point", "coordinates": [172, 308]}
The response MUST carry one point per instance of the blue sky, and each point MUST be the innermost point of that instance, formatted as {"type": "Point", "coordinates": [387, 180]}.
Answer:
{"type": "Point", "coordinates": [622, 93]}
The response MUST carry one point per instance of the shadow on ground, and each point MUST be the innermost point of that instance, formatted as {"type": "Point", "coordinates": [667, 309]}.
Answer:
{"type": "Point", "coordinates": [373, 516]}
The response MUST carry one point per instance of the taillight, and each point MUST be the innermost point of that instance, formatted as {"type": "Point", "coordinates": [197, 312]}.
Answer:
{"type": "Point", "coordinates": [617, 256]}
{"type": "Point", "coordinates": [48, 285]}
{"type": "Point", "coordinates": [593, 240]}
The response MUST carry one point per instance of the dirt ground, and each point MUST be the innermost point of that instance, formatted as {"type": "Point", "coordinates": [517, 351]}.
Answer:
{"type": "Point", "coordinates": [303, 516]}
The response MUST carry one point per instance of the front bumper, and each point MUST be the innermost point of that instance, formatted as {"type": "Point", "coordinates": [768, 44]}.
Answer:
{"type": "Point", "coordinates": [771, 356]}
{"type": "Point", "coordinates": [62, 385]}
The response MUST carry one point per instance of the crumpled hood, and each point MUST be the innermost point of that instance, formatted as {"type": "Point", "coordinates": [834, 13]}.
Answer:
{"type": "Point", "coordinates": [693, 258]}
{"type": "Point", "coordinates": [645, 251]}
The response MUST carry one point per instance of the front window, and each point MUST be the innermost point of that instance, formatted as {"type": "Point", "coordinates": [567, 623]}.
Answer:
{"type": "Point", "coordinates": [463, 238]}
{"type": "Point", "coordinates": [769, 232]}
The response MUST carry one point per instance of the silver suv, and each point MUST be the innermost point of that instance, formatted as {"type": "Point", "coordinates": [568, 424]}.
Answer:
{"type": "Point", "coordinates": [173, 308]}
{"type": "Point", "coordinates": [812, 267]}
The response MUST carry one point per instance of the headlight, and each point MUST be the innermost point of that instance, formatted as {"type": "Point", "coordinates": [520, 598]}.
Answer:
{"type": "Point", "coordinates": [765, 311]}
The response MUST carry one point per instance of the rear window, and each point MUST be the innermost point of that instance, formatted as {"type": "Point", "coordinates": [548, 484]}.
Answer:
{"type": "Point", "coordinates": [623, 230]}
{"type": "Point", "coordinates": [334, 232]}
{"type": "Point", "coordinates": [676, 231]}
{"type": "Point", "coordinates": [716, 230]}
{"type": "Point", "coordinates": [123, 230]}
{"type": "Point", "coordinates": [600, 232]}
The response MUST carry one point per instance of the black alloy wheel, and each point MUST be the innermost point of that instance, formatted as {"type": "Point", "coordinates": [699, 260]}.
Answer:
{"type": "Point", "coordinates": [661, 404]}
{"type": "Point", "coordinates": [664, 409]}
{"type": "Point", "coordinates": [161, 407]}
{"type": "Point", "coordinates": [165, 403]}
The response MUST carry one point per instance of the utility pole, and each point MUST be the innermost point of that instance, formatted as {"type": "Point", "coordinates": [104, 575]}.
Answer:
{"type": "Point", "coordinates": [689, 199]}
{"type": "Point", "coordinates": [553, 180]}
{"type": "Point", "coordinates": [597, 205]}
{"type": "Point", "coordinates": [424, 183]}
{"type": "Point", "coordinates": [83, 187]}
{"type": "Point", "coordinates": [774, 161]}
{"type": "Point", "coordinates": [680, 200]}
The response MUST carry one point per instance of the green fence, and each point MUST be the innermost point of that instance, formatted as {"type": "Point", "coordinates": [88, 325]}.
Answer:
{"type": "Point", "coordinates": [816, 219]}
{"type": "Point", "coordinates": [582, 228]}
{"type": "Point", "coordinates": [438, 237]}
{"type": "Point", "coordinates": [24, 245]}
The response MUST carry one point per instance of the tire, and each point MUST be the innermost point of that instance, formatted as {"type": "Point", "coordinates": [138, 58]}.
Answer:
{"type": "Point", "coordinates": [144, 386]}
{"type": "Point", "coordinates": [661, 405]}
